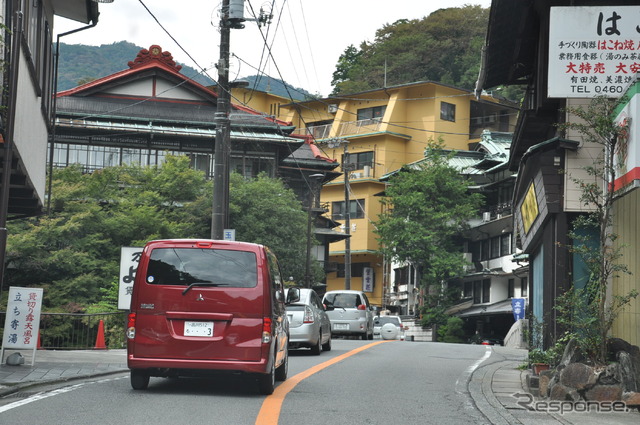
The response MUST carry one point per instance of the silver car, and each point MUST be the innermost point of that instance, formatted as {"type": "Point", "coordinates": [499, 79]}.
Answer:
{"type": "Point", "coordinates": [350, 313]}
{"type": "Point", "coordinates": [309, 325]}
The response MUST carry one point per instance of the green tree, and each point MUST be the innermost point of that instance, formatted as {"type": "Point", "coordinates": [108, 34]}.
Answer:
{"type": "Point", "coordinates": [263, 210]}
{"type": "Point", "coordinates": [74, 252]}
{"type": "Point", "coordinates": [442, 47]}
{"type": "Point", "coordinates": [588, 312]}
{"type": "Point", "coordinates": [426, 207]}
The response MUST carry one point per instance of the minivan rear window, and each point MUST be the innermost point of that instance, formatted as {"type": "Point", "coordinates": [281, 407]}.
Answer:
{"type": "Point", "coordinates": [343, 300]}
{"type": "Point", "coordinates": [215, 267]}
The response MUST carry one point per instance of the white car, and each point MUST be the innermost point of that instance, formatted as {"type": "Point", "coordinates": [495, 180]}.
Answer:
{"type": "Point", "coordinates": [380, 321]}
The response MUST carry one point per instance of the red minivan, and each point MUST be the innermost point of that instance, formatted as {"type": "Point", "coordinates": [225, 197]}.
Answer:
{"type": "Point", "coordinates": [205, 306]}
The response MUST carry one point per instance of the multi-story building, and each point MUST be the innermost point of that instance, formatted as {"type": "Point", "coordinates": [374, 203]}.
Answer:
{"type": "Point", "coordinates": [525, 46]}
{"type": "Point", "coordinates": [26, 101]}
{"type": "Point", "coordinates": [27, 80]}
{"type": "Point", "coordinates": [371, 134]}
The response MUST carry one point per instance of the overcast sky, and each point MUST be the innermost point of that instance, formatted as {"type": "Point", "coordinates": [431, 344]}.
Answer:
{"type": "Point", "coordinates": [306, 37]}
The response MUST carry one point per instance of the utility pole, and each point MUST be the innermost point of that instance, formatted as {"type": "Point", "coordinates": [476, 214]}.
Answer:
{"type": "Point", "coordinates": [346, 168]}
{"type": "Point", "coordinates": [312, 195]}
{"type": "Point", "coordinates": [220, 207]}
{"type": "Point", "coordinates": [347, 220]}
{"type": "Point", "coordinates": [231, 16]}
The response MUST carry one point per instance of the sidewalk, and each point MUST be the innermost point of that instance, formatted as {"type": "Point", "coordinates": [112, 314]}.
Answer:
{"type": "Point", "coordinates": [495, 382]}
{"type": "Point", "coordinates": [59, 366]}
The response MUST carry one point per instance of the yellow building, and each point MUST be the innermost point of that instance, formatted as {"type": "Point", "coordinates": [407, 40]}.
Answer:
{"type": "Point", "coordinates": [376, 132]}
{"type": "Point", "coordinates": [373, 133]}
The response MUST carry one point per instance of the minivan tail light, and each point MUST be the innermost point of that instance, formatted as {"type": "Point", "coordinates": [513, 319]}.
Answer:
{"type": "Point", "coordinates": [266, 330]}
{"type": "Point", "coordinates": [308, 314]}
{"type": "Point", "coordinates": [362, 307]}
{"type": "Point", "coordinates": [131, 325]}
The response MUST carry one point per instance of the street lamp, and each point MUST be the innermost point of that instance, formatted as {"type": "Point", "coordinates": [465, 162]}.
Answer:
{"type": "Point", "coordinates": [313, 180]}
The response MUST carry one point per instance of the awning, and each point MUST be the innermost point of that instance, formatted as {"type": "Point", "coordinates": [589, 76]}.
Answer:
{"type": "Point", "coordinates": [501, 307]}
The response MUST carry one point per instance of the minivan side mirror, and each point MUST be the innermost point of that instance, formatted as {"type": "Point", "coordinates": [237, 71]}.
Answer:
{"type": "Point", "coordinates": [293, 295]}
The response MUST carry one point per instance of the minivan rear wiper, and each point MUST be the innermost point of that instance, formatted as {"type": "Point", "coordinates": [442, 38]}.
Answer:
{"type": "Point", "coordinates": [202, 283]}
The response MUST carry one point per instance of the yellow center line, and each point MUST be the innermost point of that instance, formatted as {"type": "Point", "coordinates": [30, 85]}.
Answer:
{"type": "Point", "coordinates": [270, 410]}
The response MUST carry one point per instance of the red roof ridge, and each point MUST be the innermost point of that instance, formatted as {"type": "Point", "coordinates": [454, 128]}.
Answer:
{"type": "Point", "coordinates": [154, 53]}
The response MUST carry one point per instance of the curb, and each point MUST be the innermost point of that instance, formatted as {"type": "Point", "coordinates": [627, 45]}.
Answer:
{"type": "Point", "coordinates": [13, 388]}
{"type": "Point", "coordinates": [480, 388]}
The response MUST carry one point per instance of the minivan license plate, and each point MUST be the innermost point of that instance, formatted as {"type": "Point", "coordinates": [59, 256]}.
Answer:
{"type": "Point", "coordinates": [341, 326]}
{"type": "Point", "coordinates": [198, 328]}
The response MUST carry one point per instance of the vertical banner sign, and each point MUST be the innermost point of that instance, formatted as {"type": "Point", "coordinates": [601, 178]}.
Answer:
{"type": "Point", "coordinates": [518, 305]}
{"type": "Point", "coordinates": [593, 50]}
{"type": "Point", "coordinates": [367, 279]}
{"type": "Point", "coordinates": [22, 321]}
{"type": "Point", "coordinates": [129, 260]}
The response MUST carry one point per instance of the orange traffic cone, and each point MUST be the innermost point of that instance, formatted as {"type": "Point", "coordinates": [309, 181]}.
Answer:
{"type": "Point", "coordinates": [100, 345]}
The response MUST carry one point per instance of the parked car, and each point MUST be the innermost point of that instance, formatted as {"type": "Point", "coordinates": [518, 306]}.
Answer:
{"type": "Point", "coordinates": [350, 313]}
{"type": "Point", "coordinates": [207, 306]}
{"type": "Point", "coordinates": [309, 324]}
{"type": "Point", "coordinates": [380, 321]}
{"type": "Point", "coordinates": [485, 340]}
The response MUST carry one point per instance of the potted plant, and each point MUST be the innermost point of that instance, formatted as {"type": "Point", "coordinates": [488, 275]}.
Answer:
{"type": "Point", "coordinates": [539, 360]}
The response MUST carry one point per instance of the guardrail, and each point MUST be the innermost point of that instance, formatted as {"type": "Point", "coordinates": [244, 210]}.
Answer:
{"type": "Point", "coordinates": [75, 331]}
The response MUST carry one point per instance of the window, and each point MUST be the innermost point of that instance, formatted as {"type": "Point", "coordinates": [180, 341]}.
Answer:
{"type": "Point", "coordinates": [486, 290]}
{"type": "Point", "coordinates": [511, 288]}
{"type": "Point", "coordinates": [484, 255]}
{"type": "Point", "coordinates": [447, 111]}
{"type": "Point", "coordinates": [359, 160]}
{"type": "Point", "coordinates": [495, 247]}
{"type": "Point", "coordinates": [377, 112]}
{"type": "Point", "coordinates": [477, 292]}
{"type": "Point", "coordinates": [468, 290]}
{"type": "Point", "coordinates": [524, 286]}
{"type": "Point", "coordinates": [505, 245]}
{"type": "Point", "coordinates": [357, 269]}
{"type": "Point", "coordinates": [356, 209]}
{"type": "Point", "coordinates": [184, 266]}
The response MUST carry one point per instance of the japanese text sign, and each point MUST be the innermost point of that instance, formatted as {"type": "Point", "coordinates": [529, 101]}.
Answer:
{"type": "Point", "coordinates": [22, 322]}
{"type": "Point", "coordinates": [367, 279]}
{"type": "Point", "coordinates": [593, 51]}
{"type": "Point", "coordinates": [518, 305]}
{"type": "Point", "coordinates": [129, 260]}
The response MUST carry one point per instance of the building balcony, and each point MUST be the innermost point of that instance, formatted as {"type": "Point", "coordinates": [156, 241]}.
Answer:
{"type": "Point", "coordinates": [344, 129]}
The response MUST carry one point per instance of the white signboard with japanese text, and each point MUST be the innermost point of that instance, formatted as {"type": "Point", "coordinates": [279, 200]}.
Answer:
{"type": "Point", "coordinates": [593, 50]}
{"type": "Point", "coordinates": [22, 320]}
{"type": "Point", "coordinates": [367, 279]}
{"type": "Point", "coordinates": [129, 260]}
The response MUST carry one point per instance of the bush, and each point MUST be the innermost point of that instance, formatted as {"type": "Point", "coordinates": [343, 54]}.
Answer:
{"type": "Point", "coordinates": [453, 331]}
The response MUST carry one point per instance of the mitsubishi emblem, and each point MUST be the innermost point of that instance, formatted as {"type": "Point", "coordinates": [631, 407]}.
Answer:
{"type": "Point", "coordinates": [200, 298]}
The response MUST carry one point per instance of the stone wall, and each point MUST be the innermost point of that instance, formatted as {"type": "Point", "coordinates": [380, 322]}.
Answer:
{"type": "Point", "coordinates": [573, 380]}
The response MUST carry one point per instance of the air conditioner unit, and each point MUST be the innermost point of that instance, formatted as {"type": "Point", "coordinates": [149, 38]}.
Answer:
{"type": "Point", "coordinates": [355, 175]}
{"type": "Point", "coordinates": [486, 216]}
{"type": "Point", "coordinates": [332, 109]}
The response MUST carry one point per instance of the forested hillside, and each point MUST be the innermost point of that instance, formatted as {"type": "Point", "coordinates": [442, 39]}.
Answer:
{"type": "Point", "coordinates": [443, 47]}
{"type": "Point", "coordinates": [80, 64]}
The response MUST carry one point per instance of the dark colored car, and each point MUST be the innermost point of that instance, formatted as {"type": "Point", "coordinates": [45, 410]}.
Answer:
{"type": "Point", "coordinates": [206, 306]}
{"type": "Point", "coordinates": [485, 340]}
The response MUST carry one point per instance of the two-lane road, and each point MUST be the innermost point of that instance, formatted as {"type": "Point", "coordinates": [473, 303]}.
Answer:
{"type": "Point", "coordinates": [358, 382]}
